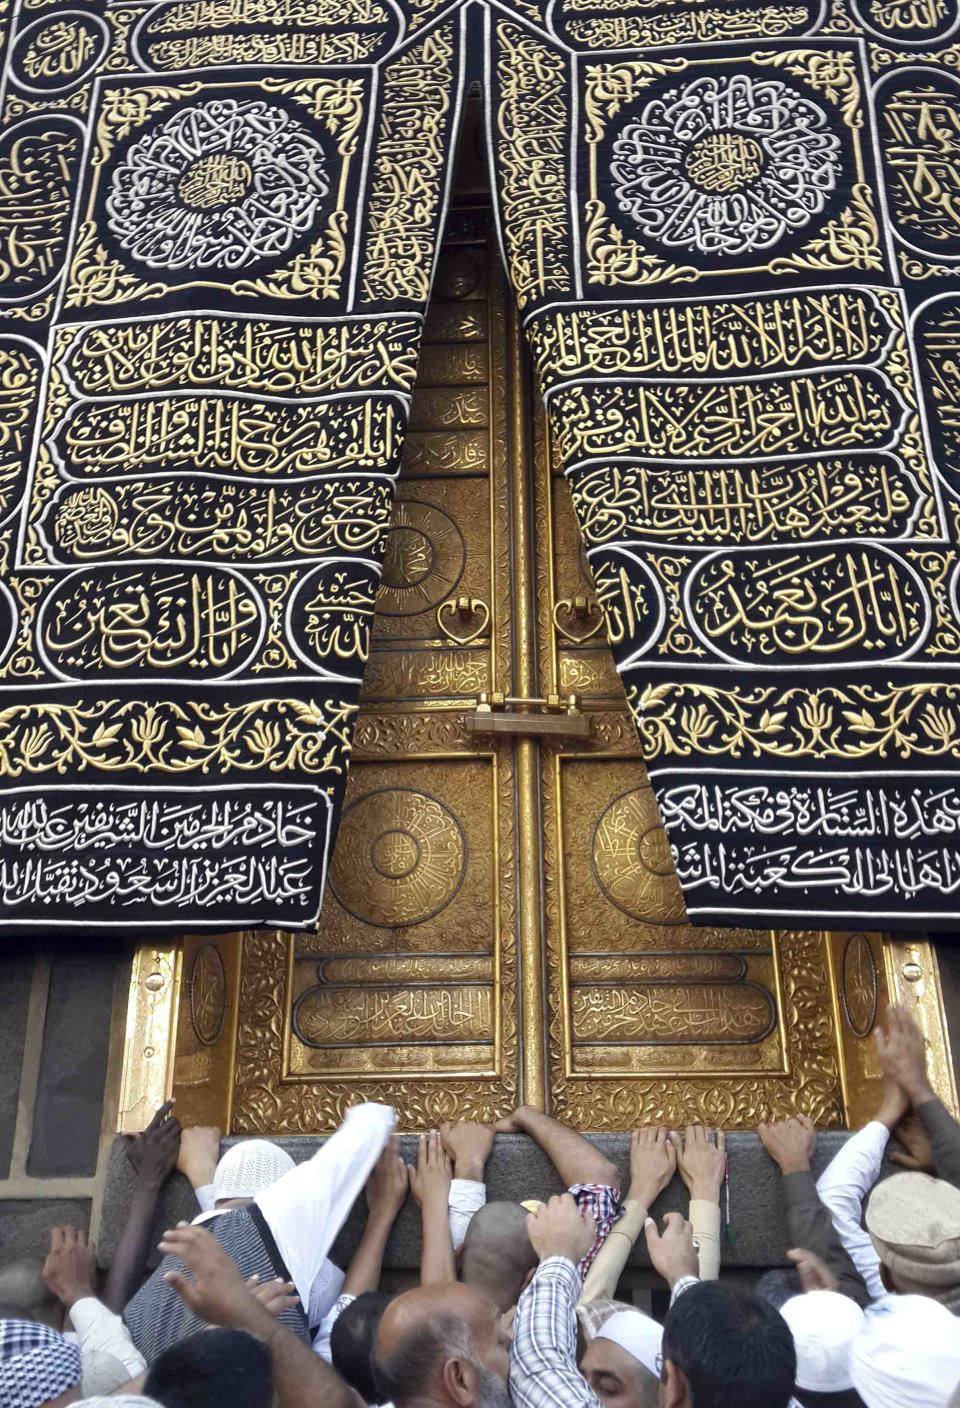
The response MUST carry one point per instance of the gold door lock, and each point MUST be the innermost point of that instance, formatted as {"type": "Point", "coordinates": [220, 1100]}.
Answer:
{"type": "Point", "coordinates": [554, 716]}
{"type": "Point", "coordinates": [572, 617]}
{"type": "Point", "coordinates": [463, 609]}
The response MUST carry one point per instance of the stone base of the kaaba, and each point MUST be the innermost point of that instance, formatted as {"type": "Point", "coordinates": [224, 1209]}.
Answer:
{"type": "Point", "coordinates": [518, 1170]}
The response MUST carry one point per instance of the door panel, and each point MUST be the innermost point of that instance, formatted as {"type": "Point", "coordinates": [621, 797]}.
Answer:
{"type": "Point", "coordinates": [475, 877]}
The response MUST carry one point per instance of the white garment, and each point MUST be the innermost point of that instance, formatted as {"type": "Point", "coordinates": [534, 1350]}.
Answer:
{"type": "Point", "coordinates": [206, 1197]}
{"type": "Point", "coordinates": [907, 1355]}
{"type": "Point", "coordinates": [842, 1187]}
{"type": "Point", "coordinates": [100, 1333]}
{"type": "Point", "coordinates": [321, 1340]}
{"type": "Point", "coordinates": [467, 1196]}
{"type": "Point", "coordinates": [306, 1208]}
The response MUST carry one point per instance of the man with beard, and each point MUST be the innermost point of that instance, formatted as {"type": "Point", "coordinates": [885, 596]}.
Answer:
{"type": "Point", "coordinates": [442, 1347]}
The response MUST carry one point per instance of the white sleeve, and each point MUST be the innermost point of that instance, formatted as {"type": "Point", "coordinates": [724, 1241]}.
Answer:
{"type": "Point", "coordinates": [98, 1329]}
{"type": "Point", "coordinates": [467, 1196]}
{"type": "Point", "coordinates": [842, 1187]}
{"type": "Point", "coordinates": [321, 1340]}
{"type": "Point", "coordinates": [206, 1197]}
{"type": "Point", "coordinates": [306, 1208]}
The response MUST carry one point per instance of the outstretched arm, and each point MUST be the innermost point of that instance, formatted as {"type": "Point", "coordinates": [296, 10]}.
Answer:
{"type": "Point", "coordinates": [903, 1057]}
{"type": "Point", "coordinates": [70, 1272]}
{"type": "Point", "coordinates": [386, 1193]}
{"type": "Point", "coordinates": [574, 1158]}
{"type": "Point", "coordinates": [702, 1162]}
{"type": "Point", "coordinates": [791, 1144]}
{"type": "Point", "coordinates": [653, 1162]}
{"type": "Point", "coordinates": [218, 1295]}
{"type": "Point", "coordinates": [153, 1154]}
{"type": "Point", "coordinates": [430, 1185]}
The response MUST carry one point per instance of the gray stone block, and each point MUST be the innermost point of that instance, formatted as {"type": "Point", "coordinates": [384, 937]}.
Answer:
{"type": "Point", "coordinates": [519, 1170]}
{"type": "Point", "coordinates": [25, 1223]}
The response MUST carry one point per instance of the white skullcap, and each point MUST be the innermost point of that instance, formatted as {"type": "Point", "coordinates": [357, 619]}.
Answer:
{"type": "Point", "coordinates": [637, 1334]}
{"type": "Point", "coordinates": [248, 1168]}
{"type": "Point", "coordinates": [908, 1352]}
{"type": "Point", "coordinates": [824, 1325]}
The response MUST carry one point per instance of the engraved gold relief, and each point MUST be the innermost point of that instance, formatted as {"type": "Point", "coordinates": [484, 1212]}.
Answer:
{"type": "Point", "coordinates": [401, 860]}
{"type": "Point", "coordinates": [409, 991]}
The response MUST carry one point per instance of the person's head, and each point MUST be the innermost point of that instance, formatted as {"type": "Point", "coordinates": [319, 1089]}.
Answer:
{"type": "Point", "coordinates": [38, 1367]}
{"type": "Point", "coordinates": [914, 1223]}
{"type": "Point", "coordinates": [621, 1360]}
{"type": "Point", "coordinates": [442, 1345]}
{"type": "Point", "coordinates": [778, 1286]}
{"type": "Point", "coordinates": [908, 1353]}
{"type": "Point", "coordinates": [246, 1169]}
{"type": "Point", "coordinates": [497, 1256]}
{"type": "Point", "coordinates": [212, 1369]}
{"type": "Point", "coordinates": [24, 1295]}
{"type": "Point", "coordinates": [824, 1326]}
{"type": "Point", "coordinates": [723, 1348]}
{"type": "Point", "coordinates": [352, 1342]}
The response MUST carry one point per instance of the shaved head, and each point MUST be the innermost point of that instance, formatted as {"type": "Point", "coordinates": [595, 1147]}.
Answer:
{"type": "Point", "coordinates": [442, 1345]}
{"type": "Point", "coordinates": [497, 1254]}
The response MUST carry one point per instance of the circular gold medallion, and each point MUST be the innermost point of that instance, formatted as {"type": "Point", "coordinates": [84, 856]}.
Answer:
{"type": "Point", "coordinates": [632, 860]}
{"type": "Point", "coordinates": [423, 560]}
{"type": "Point", "coordinates": [208, 994]}
{"type": "Point", "coordinates": [859, 986]}
{"type": "Point", "coordinates": [400, 858]}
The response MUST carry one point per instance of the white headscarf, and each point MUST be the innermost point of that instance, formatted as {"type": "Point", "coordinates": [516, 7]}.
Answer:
{"type": "Point", "coordinates": [824, 1325]}
{"type": "Point", "coordinates": [637, 1334]}
{"type": "Point", "coordinates": [908, 1353]}
{"type": "Point", "coordinates": [248, 1168]}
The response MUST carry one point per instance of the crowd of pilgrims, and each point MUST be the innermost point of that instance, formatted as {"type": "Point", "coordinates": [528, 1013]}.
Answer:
{"type": "Point", "coordinates": [516, 1302]}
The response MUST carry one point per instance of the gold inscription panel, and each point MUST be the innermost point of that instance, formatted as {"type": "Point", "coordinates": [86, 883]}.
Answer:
{"type": "Point", "coordinates": [406, 973]}
{"type": "Point", "coordinates": [678, 998]}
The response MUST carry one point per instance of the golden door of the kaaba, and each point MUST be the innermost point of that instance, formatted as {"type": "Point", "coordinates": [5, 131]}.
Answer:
{"type": "Point", "coordinates": [502, 921]}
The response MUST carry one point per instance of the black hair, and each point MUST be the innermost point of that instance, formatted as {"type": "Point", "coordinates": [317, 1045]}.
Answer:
{"type": "Point", "coordinates": [778, 1286]}
{"type": "Point", "coordinates": [353, 1339]}
{"type": "Point", "coordinates": [732, 1347]}
{"type": "Point", "coordinates": [212, 1369]}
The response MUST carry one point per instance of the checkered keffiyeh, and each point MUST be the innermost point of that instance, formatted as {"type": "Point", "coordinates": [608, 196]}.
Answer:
{"type": "Point", "coordinates": [604, 1205]}
{"type": "Point", "coordinates": [36, 1364]}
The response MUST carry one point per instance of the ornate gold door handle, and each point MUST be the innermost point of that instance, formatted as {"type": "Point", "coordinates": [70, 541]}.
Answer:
{"type": "Point", "coordinates": [577, 609]}
{"type": "Point", "coordinates": [463, 609]}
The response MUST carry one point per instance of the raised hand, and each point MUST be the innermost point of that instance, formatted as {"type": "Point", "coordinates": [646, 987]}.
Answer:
{"type": "Point", "coordinates": [702, 1162]}
{"type": "Point", "coordinates": [70, 1270]}
{"type": "Point", "coordinates": [275, 1296]}
{"type": "Point", "coordinates": [558, 1228]}
{"type": "Point", "coordinates": [815, 1275]}
{"type": "Point", "coordinates": [388, 1184]}
{"type": "Point", "coordinates": [673, 1252]}
{"type": "Point", "coordinates": [653, 1162]}
{"type": "Point", "coordinates": [199, 1154]}
{"type": "Point", "coordinates": [790, 1143]}
{"type": "Point", "coordinates": [430, 1180]}
{"type": "Point", "coordinates": [917, 1153]}
{"type": "Point", "coordinates": [154, 1152]}
{"type": "Point", "coordinates": [903, 1055]}
{"type": "Point", "coordinates": [468, 1144]}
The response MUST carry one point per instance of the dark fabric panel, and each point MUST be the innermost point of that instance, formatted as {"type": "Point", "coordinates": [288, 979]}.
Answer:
{"type": "Point", "coordinates": [15, 972]}
{"type": "Point", "coordinates": [73, 1067]}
